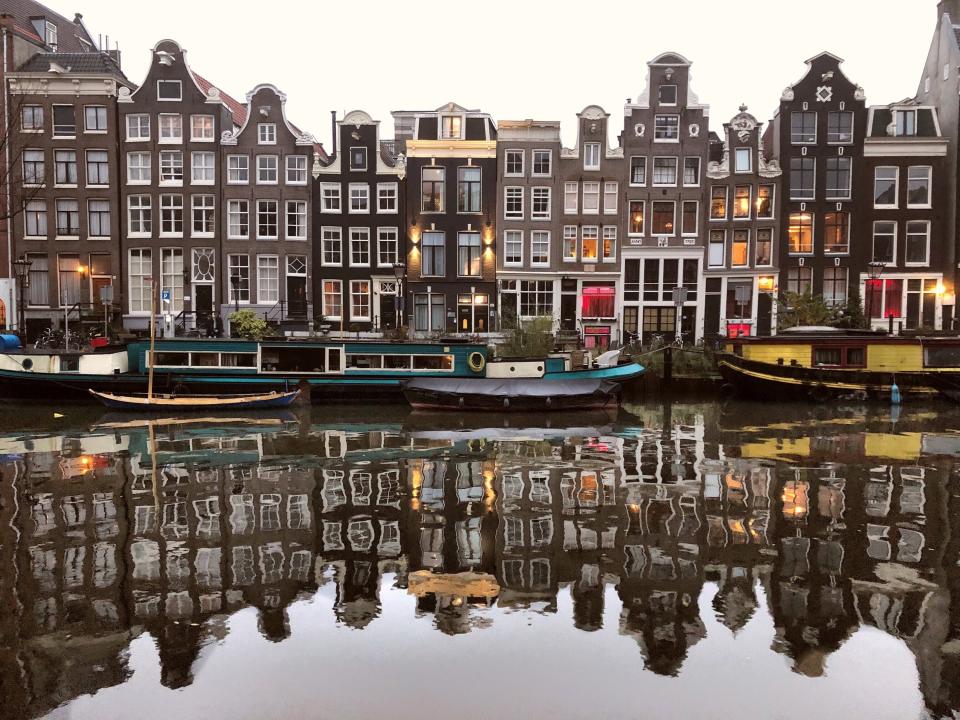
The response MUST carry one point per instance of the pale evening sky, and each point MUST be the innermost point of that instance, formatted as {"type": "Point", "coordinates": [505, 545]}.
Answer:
{"type": "Point", "coordinates": [517, 59]}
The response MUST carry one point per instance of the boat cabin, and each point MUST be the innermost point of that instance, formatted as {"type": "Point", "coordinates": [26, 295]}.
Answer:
{"type": "Point", "coordinates": [55, 362]}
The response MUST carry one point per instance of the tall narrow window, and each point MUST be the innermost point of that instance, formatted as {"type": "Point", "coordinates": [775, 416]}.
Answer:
{"type": "Point", "coordinates": [171, 279]}
{"type": "Point", "coordinates": [838, 178]}
{"type": "Point", "coordinates": [540, 248]}
{"type": "Point", "coordinates": [765, 202]}
{"type": "Point", "coordinates": [591, 156]}
{"type": "Point", "coordinates": [636, 217]}
{"type": "Point", "coordinates": [591, 198]}
{"type": "Point", "coordinates": [513, 203]}
{"type": "Point", "coordinates": [431, 189]}
{"type": "Point", "coordinates": [840, 127]}
{"type": "Point", "coordinates": [743, 162]}
{"type": "Point", "coordinates": [571, 192]}
{"type": "Point", "coordinates": [468, 254]}
{"type": "Point", "coordinates": [716, 248]}
{"type": "Point", "coordinates": [513, 247]}
{"type": "Point", "coordinates": [884, 242]}
{"type": "Point", "coordinates": [569, 243]}
{"type": "Point", "coordinates": [800, 233]}
{"type": "Point", "coordinates": [740, 249]}
{"type": "Point", "coordinates": [919, 178]}
{"type": "Point", "coordinates": [803, 178]}
{"type": "Point", "coordinates": [591, 237]}
{"type": "Point", "coordinates": [836, 232]}
{"type": "Point", "coordinates": [268, 279]}
{"type": "Point", "coordinates": [468, 189]}
{"type": "Point", "coordinates": [359, 247]}
{"type": "Point", "coordinates": [432, 262]}
{"type": "Point", "coordinates": [741, 202]}
{"type": "Point", "coordinates": [803, 128]}
{"type": "Point", "coordinates": [764, 247]}
{"type": "Point", "coordinates": [68, 266]}
{"type": "Point", "coordinates": [638, 170]}
{"type": "Point", "coordinates": [238, 267]}
{"type": "Point", "coordinates": [718, 203]}
{"type": "Point", "coordinates": [917, 250]}
{"type": "Point", "coordinates": [98, 218]}
{"type": "Point", "coordinates": [540, 203]}
{"type": "Point", "coordinates": [885, 185]}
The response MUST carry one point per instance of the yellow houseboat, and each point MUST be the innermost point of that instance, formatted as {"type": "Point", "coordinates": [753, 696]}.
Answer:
{"type": "Point", "coordinates": [817, 363]}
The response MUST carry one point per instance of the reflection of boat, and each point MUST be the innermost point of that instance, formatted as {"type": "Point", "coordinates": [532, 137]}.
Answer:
{"type": "Point", "coordinates": [514, 395]}
{"type": "Point", "coordinates": [822, 363]}
{"type": "Point", "coordinates": [194, 403]}
{"type": "Point", "coordinates": [130, 420]}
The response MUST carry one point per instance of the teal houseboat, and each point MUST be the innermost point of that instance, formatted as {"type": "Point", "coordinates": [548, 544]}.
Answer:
{"type": "Point", "coordinates": [318, 368]}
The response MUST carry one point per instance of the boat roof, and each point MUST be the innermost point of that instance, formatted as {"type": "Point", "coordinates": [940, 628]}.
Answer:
{"type": "Point", "coordinates": [840, 335]}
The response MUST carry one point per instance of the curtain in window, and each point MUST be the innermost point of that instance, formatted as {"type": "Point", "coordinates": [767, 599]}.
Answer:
{"type": "Point", "coordinates": [39, 291]}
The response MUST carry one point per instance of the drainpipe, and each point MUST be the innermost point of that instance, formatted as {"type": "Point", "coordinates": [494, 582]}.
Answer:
{"type": "Point", "coordinates": [333, 135]}
{"type": "Point", "coordinates": [6, 124]}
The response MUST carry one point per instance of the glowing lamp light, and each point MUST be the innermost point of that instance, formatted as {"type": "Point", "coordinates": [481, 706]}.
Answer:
{"type": "Point", "coordinates": [765, 283]}
{"type": "Point", "coordinates": [414, 235]}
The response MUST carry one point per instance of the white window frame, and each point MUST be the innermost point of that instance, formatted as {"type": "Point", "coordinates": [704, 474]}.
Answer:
{"type": "Point", "coordinates": [570, 233]}
{"type": "Point", "coordinates": [893, 248]}
{"type": "Point", "coordinates": [336, 234]}
{"type": "Point", "coordinates": [233, 292]}
{"type": "Point", "coordinates": [139, 154]}
{"type": "Point", "coordinates": [212, 169]}
{"type": "Point", "coordinates": [365, 196]}
{"type": "Point", "coordinates": [170, 139]}
{"type": "Point", "coordinates": [95, 130]}
{"type": "Point", "coordinates": [611, 189]}
{"type": "Point", "coordinates": [696, 228]}
{"type": "Point", "coordinates": [138, 118]}
{"type": "Point", "coordinates": [585, 209]}
{"type": "Point", "coordinates": [261, 266]}
{"type": "Point", "coordinates": [589, 149]}
{"type": "Point", "coordinates": [506, 164]}
{"type": "Point", "coordinates": [238, 208]}
{"type": "Point", "coordinates": [609, 232]}
{"type": "Point", "coordinates": [390, 192]}
{"type": "Point", "coordinates": [266, 133]}
{"type": "Point", "coordinates": [179, 85]}
{"type": "Point", "coordinates": [742, 152]}
{"type": "Point", "coordinates": [653, 171]}
{"type": "Point", "coordinates": [369, 301]}
{"type": "Point", "coordinates": [518, 240]}
{"type": "Point", "coordinates": [204, 138]}
{"type": "Point", "coordinates": [539, 237]}
{"type": "Point", "coordinates": [896, 187]}
{"type": "Point", "coordinates": [507, 192]}
{"type": "Point", "coordinates": [198, 202]}
{"type": "Point", "coordinates": [571, 198]}
{"type": "Point", "coordinates": [391, 236]}
{"type": "Point", "coordinates": [533, 163]}
{"type": "Point", "coordinates": [324, 198]}
{"type": "Point", "coordinates": [302, 224]}
{"type": "Point", "coordinates": [540, 216]}
{"type": "Point", "coordinates": [293, 164]}
{"type": "Point", "coordinates": [906, 244]}
{"type": "Point", "coordinates": [325, 308]}
{"type": "Point", "coordinates": [263, 167]}
{"type": "Point", "coordinates": [663, 116]}
{"type": "Point", "coordinates": [172, 155]}
{"type": "Point", "coordinates": [172, 207]}
{"type": "Point", "coordinates": [276, 204]}
{"type": "Point", "coordinates": [929, 180]}
{"type": "Point", "coordinates": [139, 209]}
{"type": "Point", "coordinates": [358, 240]}
{"type": "Point", "coordinates": [238, 171]}
{"type": "Point", "coordinates": [87, 161]}
{"type": "Point", "coordinates": [594, 232]}
{"type": "Point", "coordinates": [711, 245]}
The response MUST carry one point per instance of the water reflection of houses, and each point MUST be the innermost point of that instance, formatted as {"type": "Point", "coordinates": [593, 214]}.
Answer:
{"type": "Point", "coordinates": [104, 539]}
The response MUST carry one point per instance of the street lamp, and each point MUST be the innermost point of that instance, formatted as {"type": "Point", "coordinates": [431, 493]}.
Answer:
{"type": "Point", "coordinates": [399, 272]}
{"type": "Point", "coordinates": [21, 269]}
{"type": "Point", "coordinates": [235, 281]}
{"type": "Point", "coordinates": [874, 271]}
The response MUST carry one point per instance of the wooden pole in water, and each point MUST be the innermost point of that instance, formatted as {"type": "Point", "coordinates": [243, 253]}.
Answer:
{"type": "Point", "coordinates": [153, 338]}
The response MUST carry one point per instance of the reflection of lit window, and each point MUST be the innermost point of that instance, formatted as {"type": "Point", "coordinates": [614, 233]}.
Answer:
{"type": "Point", "coordinates": [795, 501]}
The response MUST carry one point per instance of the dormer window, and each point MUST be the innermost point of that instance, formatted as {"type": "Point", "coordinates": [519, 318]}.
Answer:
{"type": "Point", "coordinates": [50, 33]}
{"type": "Point", "coordinates": [358, 158]}
{"type": "Point", "coordinates": [169, 90]}
{"type": "Point", "coordinates": [451, 127]}
{"type": "Point", "coordinates": [267, 133]}
{"type": "Point", "coordinates": [906, 121]}
{"type": "Point", "coordinates": [667, 94]}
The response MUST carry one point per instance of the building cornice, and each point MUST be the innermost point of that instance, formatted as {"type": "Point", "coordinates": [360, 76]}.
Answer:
{"type": "Point", "coordinates": [451, 148]}
{"type": "Point", "coordinates": [905, 147]}
{"type": "Point", "coordinates": [44, 84]}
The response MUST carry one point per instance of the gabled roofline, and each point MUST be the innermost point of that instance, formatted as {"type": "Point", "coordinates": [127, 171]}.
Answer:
{"type": "Point", "coordinates": [302, 138]}
{"type": "Point", "coordinates": [657, 60]}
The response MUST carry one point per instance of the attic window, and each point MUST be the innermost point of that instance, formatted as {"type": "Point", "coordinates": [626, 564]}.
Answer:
{"type": "Point", "coordinates": [906, 122]}
{"type": "Point", "coordinates": [267, 133]}
{"type": "Point", "coordinates": [169, 90]}
{"type": "Point", "coordinates": [50, 31]}
{"type": "Point", "coordinates": [451, 127]}
{"type": "Point", "coordinates": [358, 158]}
{"type": "Point", "coordinates": [667, 94]}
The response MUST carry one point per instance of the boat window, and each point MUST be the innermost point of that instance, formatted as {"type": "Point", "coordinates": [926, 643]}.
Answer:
{"type": "Point", "coordinates": [174, 359]}
{"type": "Point", "coordinates": [365, 362]}
{"type": "Point", "coordinates": [69, 363]}
{"type": "Point", "coordinates": [856, 357]}
{"type": "Point", "coordinates": [942, 356]}
{"type": "Point", "coordinates": [433, 362]}
{"type": "Point", "coordinates": [827, 356]}
{"type": "Point", "coordinates": [294, 359]}
{"type": "Point", "coordinates": [396, 362]}
{"type": "Point", "coordinates": [238, 359]}
{"type": "Point", "coordinates": [208, 359]}
{"type": "Point", "coordinates": [334, 360]}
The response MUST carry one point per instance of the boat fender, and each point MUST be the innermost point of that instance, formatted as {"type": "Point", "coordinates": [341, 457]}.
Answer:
{"type": "Point", "coordinates": [549, 402]}
{"type": "Point", "coordinates": [895, 394]}
{"type": "Point", "coordinates": [506, 402]}
{"type": "Point", "coordinates": [476, 361]}
{"type": "Point", "coordinates": [460, 402]}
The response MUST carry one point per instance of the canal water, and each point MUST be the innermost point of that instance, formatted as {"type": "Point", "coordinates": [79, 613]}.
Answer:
{"type": "Point", "coordinates": [672, 561]}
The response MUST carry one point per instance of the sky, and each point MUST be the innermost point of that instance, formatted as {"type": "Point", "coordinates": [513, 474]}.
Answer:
{"type": "Point", "coordinates": [517, 59]}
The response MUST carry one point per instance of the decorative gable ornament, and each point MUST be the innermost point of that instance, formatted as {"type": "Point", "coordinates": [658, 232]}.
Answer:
{"type": "Point", "coordinates": [639, 129]}
{"type": "Point", "coordinates": [694, 130]}
{"type": "Point", "coordinates": [401, 165]}
{"type": "Point", "coordinates": [787, 95]}
{"type": "Point", "coordinates": [824, 94]}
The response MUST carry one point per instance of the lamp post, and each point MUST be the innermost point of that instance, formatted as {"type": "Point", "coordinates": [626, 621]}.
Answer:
{"type": "Point", "coordinates": [399, 272]}
{"type": "Point", "coordinates": [874, 271]}
{"type": "Point", "coordinates": [21, 269]}
{"type": "Point", "coordinates": [235, 281]}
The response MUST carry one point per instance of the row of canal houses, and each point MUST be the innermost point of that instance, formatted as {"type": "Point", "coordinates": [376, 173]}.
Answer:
{"type": "Point", "coordinates": [463, 224]}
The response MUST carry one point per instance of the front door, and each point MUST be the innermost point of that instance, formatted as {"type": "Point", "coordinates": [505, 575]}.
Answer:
{"type": "Point", "coordinates": [388, 311]}
{"type": "Point", "coordinates": [568, 312]}
{"type": "Point", "coordinates": [203, 306]}
{"type": "Point", "coordinates": [296, 296]}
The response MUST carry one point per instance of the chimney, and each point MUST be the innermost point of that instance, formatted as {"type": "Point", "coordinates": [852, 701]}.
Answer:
{"type": "Point", "coordinates": [333, 127]}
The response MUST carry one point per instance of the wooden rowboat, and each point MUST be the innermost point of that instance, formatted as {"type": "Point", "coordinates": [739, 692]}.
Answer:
{"type": "Point", "coordinates": [196, 402]}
